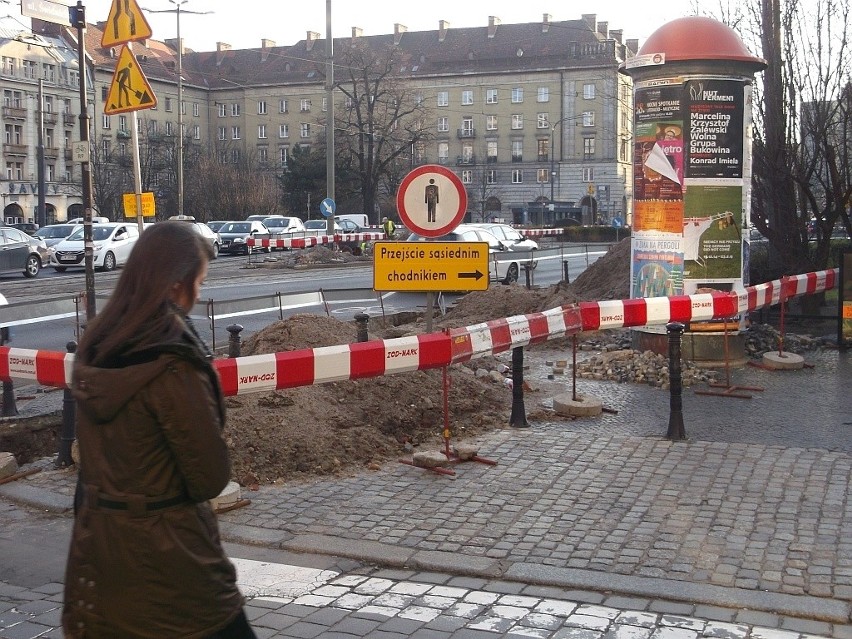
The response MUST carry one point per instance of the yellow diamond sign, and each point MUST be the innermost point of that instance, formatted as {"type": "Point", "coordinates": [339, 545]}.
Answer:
{"type": "Point", "coordinates": [130, 90]}
{"type": "Point", "coordinates": [126, 23]}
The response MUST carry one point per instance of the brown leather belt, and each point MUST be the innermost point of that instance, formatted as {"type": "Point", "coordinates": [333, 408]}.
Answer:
{"type": "Point", "coordinates": [120, 504]}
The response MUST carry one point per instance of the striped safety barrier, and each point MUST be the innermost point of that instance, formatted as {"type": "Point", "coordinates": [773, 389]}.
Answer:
{"type": "Point", "coordinates": [314, 240]}
{"type": "Point", "coordinates": [375, 358]}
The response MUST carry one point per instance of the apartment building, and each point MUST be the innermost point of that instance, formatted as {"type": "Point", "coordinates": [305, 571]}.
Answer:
{"type": "Point", "coordinates": [534, 117]}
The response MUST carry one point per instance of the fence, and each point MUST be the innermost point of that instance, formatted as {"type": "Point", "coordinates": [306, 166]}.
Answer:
{"type": "Point", "coordinates": [257, 373]}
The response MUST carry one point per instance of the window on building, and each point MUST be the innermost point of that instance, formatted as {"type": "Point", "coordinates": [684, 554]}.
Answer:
{"type": "Point", "coordinates": [196, 133]}
{"type": "Point", "coordinates": [223, 110]}
{"type": "Point", "coordinates": [491, 151]}
{"type": "Point", "coordinates": [443, 124]}
{"type": "Point", "coordinates": [48, 104]}
{"type": "Point", "coordinates": [153, 127]}
{"type": "Point", "coordinates": [282, 105]}
{"type": "Point", "coordinates": [195, 109]}
{"type": "Point", "coordinates": [589, 91]}
{"type": "Point", "coordinates": [543, 146]}
{"type": "Point", "coordinates": [588, 118]}
{"type": "Point", "coordinates": [235, 133]}
{"type": "Point", "coordinates": [588, 147]}
{"type": "Point", "coordinates": [543, 94]}
{"type": "Point", "coordinates": [106, 121]}
{"type": "Point", "coordinates": [235, 155]}
{"type": "Point", "coordinates": [517, 176]}
{"type": "Point", "coordinates": [262, 154]}
{"type": "Point", "coordinates": [283, 131]}
{"type": "Point", "coordinates": [104, 93]}
{"type": "Point", "coordinates": [623, 150]}
{"type": "Point", "coordinates": [467, 97]}
{"type": "Point", "coordinates": [517, 95]}
{"type": "Point", "coordinates": [542, 176]}
{"type": "Point", "coordinates": [48, 72]}
{"type": "Point", "coordinates": [588, 174]}
{"type": "Point", "coordinates": [491, 176]}
{"type": "Point", "coordinates": [183, 108]}
{"type": "Point", "coordinates": [305, 105]}
{"type": "Point", "coordinates": [168, 104]}
{"type": "Point", "coordinates": [517, 121]}
{"type": "Point", "coordinates": [9, 65]}
{"type": "Point", "coordinates": [517, 150]}
{"type": "Point", "coordinates": [490, 122]}
{"type": "Point", "coordinates": [235, 109]}
{"type": "Point", "coordinates": [443, 98]}
{"type": "Point", "coordinates": [261, 131]}
{"type": "Point", "coordinates": [325, 104]}
{"type": "Point", "coordinates": [467, 176]}
{"type": "Point", "coordinates": [168, 128]}
{"type": "Point", "coordinates": [467, 127]}
{"type": "Point", "coordinates": [105, 148]}
{"type": "Point", "coordinates": [223, 131]}
{"type": "Point", "coordinates": [491, 96]}
{"type": "Point", "coordinates": [30, 69]}
{"type": "Point", "coordinates": [284, 154]}
{"type": "Point", "coordinates": [467, 153]}
{"type": "Point", "coordinates": [261, 107]}
{"type": "Point", "coordinates": [443, 152]}
{"type": "Point", "coordinates": [542, 121]}
{"type": "Point", "coordinates": [305, 130]}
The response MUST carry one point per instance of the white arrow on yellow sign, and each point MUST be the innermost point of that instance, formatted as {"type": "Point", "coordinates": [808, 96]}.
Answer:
{"type": "Point", "coordinates": [126, 23]}
{"type": "Point", "coordinates": [148, 208]}
{"type": "Point", "coordinates": [130, 90]}
{"type": "Point", "coordinates": [430, 266]}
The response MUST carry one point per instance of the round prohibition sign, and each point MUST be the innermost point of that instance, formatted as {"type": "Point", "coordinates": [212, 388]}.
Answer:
{"type": "Point", "coordinates": [431, 200]}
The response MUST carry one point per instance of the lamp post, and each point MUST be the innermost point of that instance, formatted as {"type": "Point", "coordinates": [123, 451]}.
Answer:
{"type": "Point", "coordinates": [329, 130]}
{"type": "Point", "coordinates": [553, 154]}
{"type": "Point", "coordinates": [177, 11]}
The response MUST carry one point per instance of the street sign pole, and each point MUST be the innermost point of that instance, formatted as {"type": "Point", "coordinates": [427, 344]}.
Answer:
{"type": "Point", "coordinates": [137, 171]}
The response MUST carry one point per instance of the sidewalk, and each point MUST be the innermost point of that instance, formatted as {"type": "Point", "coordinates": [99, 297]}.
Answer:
{"type": "Point", "coordinates": [747, 522]}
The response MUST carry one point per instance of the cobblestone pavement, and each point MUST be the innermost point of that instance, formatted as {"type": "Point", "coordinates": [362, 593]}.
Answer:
{"type": "Point", "coordinates": [750, 513]}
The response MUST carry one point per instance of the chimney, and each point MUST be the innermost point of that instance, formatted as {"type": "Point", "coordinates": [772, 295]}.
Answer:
{"type": "Point", "coordinates": [617, 34]}
{"type": "Point", "coordinates": [398, 30]}
{"type": "Point", "coordinates": [633, 44]}
{"type": "Point", "coordinates": [357, 32]}
{"type": "Point", "coordinates": [266, 43]}
{"type": "Point", "coordinates": [443, 27]}
{"type": "Point", "coordinates": [603, 29]}
{"type": "Point", "coordinates": [221, 49]}
{"type": "Point", "coordinates": [312, 37]}
{"type": "Point", "coordinates": [545, 22]}
{"type": "Point", "coordinates": [591, 19]}
{"type": "Point", "coordinates": [493, 23]}
{"type": "Point", "coordinates": [174, 44]}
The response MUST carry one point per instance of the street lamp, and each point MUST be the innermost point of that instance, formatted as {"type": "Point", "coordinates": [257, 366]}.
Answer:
{"type": "Point", "coordinates": [177, 11]}
{"type": "Point", "coordinates": [553, 153]}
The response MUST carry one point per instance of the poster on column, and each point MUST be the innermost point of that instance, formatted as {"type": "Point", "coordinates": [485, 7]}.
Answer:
{"type": "Point", "coordinates": [712, 230]}
{"type": "Point", "coordinates": [715, 133]}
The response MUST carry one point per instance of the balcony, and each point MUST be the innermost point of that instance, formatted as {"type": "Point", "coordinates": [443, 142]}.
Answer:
{"type": "Point", "coordinates": [14, 149]}
{"type": "Point", "coordinates": [491, 159]}
{"type": "Point", "coordinates": [466, 134]}
{"type": "Point", "coordinates": [466, 159]}
{"type": "Point", "coordinates": [69, 119]}
{"type": "Point", "coordinates": [543, 157]}
{"type": "Point", "coordinates": [69, 155]}
{"type": "Point", "coordinates": [517, 158]}
{"type": "Point", "coordinates": [14, 113]}
{"type": "Point", "coordinates": [51, 152]}
{"type": "Point", "coordinates": [49, 117]}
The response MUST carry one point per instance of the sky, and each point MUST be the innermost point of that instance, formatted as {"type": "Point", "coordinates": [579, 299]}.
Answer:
{"type": "Point", "coordinates": [243, 23]}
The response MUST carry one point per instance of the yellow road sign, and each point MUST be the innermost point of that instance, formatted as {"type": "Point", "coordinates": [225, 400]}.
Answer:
{"type": "Point", "coordinates": [430, 266]}
{"type": "Point", "coordinates": [126, 23]}
{"type": "Point", "coordinates": [148, 208]}
{"type": "Point", "coordinates": [129, 90]}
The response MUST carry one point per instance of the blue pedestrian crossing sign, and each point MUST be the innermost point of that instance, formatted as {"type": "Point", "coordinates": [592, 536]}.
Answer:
{"type": "Point", "coordinates": [327, 207]}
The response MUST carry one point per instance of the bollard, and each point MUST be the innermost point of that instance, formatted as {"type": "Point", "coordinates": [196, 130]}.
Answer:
{"type": "Point", "coordinates": [361, 321]}
{"type": "Point", "coordinates": [676, 430]}
{"type": "Point", "coordinates": [69, 417]}
{"type": "Point", "coordinates": [527, 275]}
{"type": "Point", "coordinates": [567, 275]}
{"type": "Point", "coordinates": [10, 408]}
{"type": "Point", "coordinates": [518, 419]}
{"type": "Point", "coordinates": [234, 339]}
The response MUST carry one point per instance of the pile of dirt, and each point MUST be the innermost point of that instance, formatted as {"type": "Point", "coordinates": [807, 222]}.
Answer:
{"type": "Point", "coordinates": [344, 426]}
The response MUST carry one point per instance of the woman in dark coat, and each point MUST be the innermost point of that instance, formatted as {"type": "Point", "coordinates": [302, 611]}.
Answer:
{"type": "Point", "coordinates": [145, 557]}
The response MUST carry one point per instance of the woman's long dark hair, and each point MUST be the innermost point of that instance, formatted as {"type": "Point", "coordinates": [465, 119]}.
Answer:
{"type": "Point", "coordinates": [140, 311]}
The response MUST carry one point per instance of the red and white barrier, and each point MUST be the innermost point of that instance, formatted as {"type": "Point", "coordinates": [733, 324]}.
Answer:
{"type": "Point", "coordinates": [308, 366]}
{"type": "Point", "coordinates": [313, 240]}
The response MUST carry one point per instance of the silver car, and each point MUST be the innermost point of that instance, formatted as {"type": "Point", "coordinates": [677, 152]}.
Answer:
{"type": "Point", "coordinates": [20, 252]}
{"type": "Point", "coordinates": [234, 236]}
{"type": "Point", "coordinates": [510, 236]}
{"type": "Point", "coordinates": [55, 233]}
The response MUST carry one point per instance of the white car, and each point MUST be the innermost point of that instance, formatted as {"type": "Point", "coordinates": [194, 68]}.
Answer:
{"type": "Point", "coordinates": [509, 236]}
{"type": "Point", "coordinates": [504, 266]}
{"type": "Point", "coordinates": [113, 243]}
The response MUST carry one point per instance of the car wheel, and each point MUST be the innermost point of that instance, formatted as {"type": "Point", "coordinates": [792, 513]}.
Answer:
{"type": "Point", "coordinates": [109, 262]}
{"type": "Point", "coordinates": [215, 250]}
{"type": "Point", "coordinates": [511, 274]}
{"type": "Point", "coordinates": [33, 266]}
{"type": "Point", "coordinates": [59, 269]}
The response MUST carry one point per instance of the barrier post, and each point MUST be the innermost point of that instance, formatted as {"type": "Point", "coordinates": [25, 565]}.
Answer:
{"type": "Point", "coordinates": [69, 422]}
{"type": "Point", "coordinates": [518, 418]}
{"type": "Point", "coordinates": [676, 430]}
{"type": "Point", "coordinates": [565, 271]}
{"type": "Point", "coordinates": [361, 321]}
{"type": "Point", "coordinates": [234, 340]}
{"type": "Point", "coordinates": [527, 275]}
{"type": "Point", "coordinates": [10, 408]}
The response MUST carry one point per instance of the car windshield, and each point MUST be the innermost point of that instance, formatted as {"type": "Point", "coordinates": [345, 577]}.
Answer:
{"type": "Point", "coordinates": [236, 227]}
{"type": "Point", "coordinates": [315, 224]}
{"type": "Point", "coordinates": [99, 233]}
{"type": "Point", "coordinates": [51, 232]}
{"type": "Point", "coordinates": [276, 222]}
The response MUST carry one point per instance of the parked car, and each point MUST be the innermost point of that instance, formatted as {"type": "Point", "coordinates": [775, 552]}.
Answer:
{"type": "Point", "coordinates": [96, 219]}
{"type": "Point", "coordinates": [283, 224]}
{"type": "Point", "coordinates": [503, 265]}
{"type": "Point", "coordinates": [113, 243]}
{"type": "Point", "coordinates": [27, 227]}
{"type": "Point", "coordinates": [321, 225]}
{"type": "Point", "coordinates": [215, 225]}
{"type": "Point", "coordinates": [358, 219]}
{"type": "Point", "coordinates": [348, 226]}
{"type": "Point", "coordinates": [235, 234]}
{"type": "Point", "coordinates": [513, 238]}
{"type": "Point", "coordinates": [54, 233]}
{"type": "Point", "coordinates": [202, 229]}
{"type": "Point", "coordinates": [20, 252]}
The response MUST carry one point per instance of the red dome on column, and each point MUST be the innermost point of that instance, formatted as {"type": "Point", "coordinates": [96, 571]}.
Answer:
{"type": "Point", "coordinates": [697, 38]}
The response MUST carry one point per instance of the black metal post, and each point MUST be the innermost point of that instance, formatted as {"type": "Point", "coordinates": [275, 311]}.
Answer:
{"type": "Point", "coordinates": [69, 422]}
{"type": "Point", "coordinates": [676, 430]}
{"type": "Point", "coordinates": [234, 339]}
{"type": "Point", "coordinates": [567, 275]}
{"type": "Point", "coordinates": [361, 321]}
{"type": "Point", "coordinates": [527, 275]}
{"type": "Point", "coordinates": [10, 408]}
{"type": "Point", "coordinates": [518, 419]}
